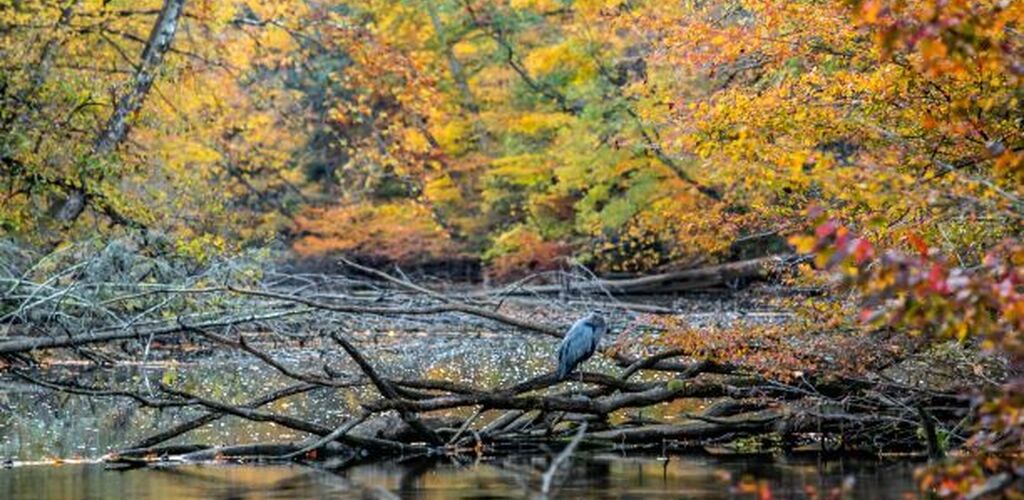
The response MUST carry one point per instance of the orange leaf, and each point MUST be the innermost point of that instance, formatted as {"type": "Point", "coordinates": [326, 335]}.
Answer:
{"type": "Point", "coordinates": [918, 243]}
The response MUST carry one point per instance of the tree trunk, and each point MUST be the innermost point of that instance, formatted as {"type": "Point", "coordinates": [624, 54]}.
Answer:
{"type": "Point", "coordinates": [454, 66]}
{"type": "Point", "coordinates": [114, 131]}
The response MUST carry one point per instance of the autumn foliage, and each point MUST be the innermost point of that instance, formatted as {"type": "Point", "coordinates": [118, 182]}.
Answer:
{"type": "Point", "coordinates": [396, 232]}
{"type": "Point", "coordinates": [628, 136]}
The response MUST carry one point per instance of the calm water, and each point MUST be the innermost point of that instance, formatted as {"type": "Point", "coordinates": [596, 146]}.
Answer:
{"type": "Point", "coordinates": [599, 476]}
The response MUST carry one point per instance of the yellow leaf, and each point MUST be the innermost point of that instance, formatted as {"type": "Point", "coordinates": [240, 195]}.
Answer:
{"type": "Point", "coordinates": [803, 243]}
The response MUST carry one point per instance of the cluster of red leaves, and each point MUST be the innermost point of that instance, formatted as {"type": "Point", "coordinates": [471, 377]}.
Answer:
{"type": "Point", "coordinates": [952, 35]}
{"type": "Point", "coordinates": [788, 352]}
{"type": "Point", "coordinates": [924, 292]}
{"type": "Point", "coordinates": [921, 291]}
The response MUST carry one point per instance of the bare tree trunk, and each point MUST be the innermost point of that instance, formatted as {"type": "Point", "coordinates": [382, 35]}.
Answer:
{"type": "Point", "coordinates": [113, 133]}
{"type": "Point", "coordinates": [454, 66]}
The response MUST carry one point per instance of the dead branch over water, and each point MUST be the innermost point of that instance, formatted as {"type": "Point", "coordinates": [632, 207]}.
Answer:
{"type": "Point", "coordinates": [102, 321]}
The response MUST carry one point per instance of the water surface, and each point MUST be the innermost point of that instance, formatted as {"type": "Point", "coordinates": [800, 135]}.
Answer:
{"type": "Point", "coordinates": [591, 476]}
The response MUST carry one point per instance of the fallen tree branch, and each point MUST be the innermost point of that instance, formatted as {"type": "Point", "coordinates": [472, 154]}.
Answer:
{"type": "Point", "coordinates": [268, 359]}
{"type": "Point", "coordinates": [92, 391]}
{"type": "Point", "coordinates": [387, 391]}
{"type": "Point", "coordinates": [450, 307]}
{"type": "Point", "coordinates": [291, 423]}
{"type": "Point", "coordinates": [333, 436]}
{"type": "Point", "coordinates": [198, 422]}
{"type": "Point", "coordinates": [677, 281]}
{"type": "Point", "coordinates": [700, 430]}
{"type": "Point", "coordinates": [658, 362]}
{"type": "Point", "coordinates": [549, 475]}
{"type": "Point", "coordinates": [107, 335]}
{"type": "Point", "coordinates": [203, 453]}
{"type": "Point", "coordinates": [150, 453]}
{"type": "Point", "coordinates": [397, 281]}
{"type": "Point", "coordinates": [507, 400]}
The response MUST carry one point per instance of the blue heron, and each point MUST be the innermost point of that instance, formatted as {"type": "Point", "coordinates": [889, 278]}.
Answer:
{"type": "Point", "coordinates": [580, 343]}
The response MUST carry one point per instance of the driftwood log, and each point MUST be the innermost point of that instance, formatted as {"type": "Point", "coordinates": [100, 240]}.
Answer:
{"type": "Point", "coordinates": [728, 275]}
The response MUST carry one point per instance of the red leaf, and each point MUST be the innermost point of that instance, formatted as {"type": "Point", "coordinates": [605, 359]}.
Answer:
{"type": "Point", "coordinates": [918, 244]}
{"type": "Point", "coordinates": [937, 278]}
{"type": "Point", "coordinates": [862, 250]}
{"type": "Point", "coordinates": [825, 230]}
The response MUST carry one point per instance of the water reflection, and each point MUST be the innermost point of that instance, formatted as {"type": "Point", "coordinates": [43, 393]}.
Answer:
{"type": "Point", "coordinates": [223, 482]}
{"type": "Point", "coordinates": [614, 476]}
{"type": "Point", "coordinates": [594, 476]}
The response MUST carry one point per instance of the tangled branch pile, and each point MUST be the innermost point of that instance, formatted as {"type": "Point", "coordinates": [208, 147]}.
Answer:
{"type": "Point", "coordinates": [131, 315]}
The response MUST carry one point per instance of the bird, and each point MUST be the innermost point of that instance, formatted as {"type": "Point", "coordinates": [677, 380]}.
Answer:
{"type": "Point", "coordinates": [580, 343]}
